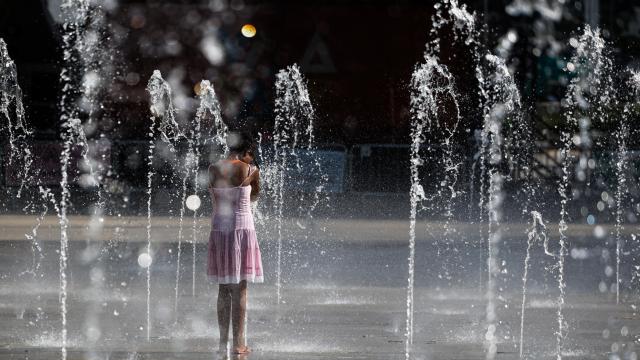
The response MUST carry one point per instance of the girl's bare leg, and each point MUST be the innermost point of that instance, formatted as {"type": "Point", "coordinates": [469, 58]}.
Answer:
{"type": "Point", "coordinates": [239, 311]}
{"type": "Point", "coordinates": [224, 315]}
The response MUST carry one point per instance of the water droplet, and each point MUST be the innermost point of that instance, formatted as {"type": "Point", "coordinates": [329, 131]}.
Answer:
{"type": "Point", "coordinates": [144, 260]}
{"type": "Point", "coordinates": [193, 202]}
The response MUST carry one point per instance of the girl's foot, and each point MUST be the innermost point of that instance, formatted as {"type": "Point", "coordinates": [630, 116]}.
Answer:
{"type": "Point", "coordinates": [242, 349]}
{"type": "Point", "coordinates": [221, 355]}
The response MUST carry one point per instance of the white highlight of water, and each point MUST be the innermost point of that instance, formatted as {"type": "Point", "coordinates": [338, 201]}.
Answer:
{"type": "Point", "coordinates": [164, 122]}
{"type": "Point", "coordinates": [590, 87]}
{"type": "Point", "coordinates": [293, 130]}
{"type": "Point", "coordinates": [503, 102]}
{"type": "Point", "coordinates": [17, 129]}
{"type": "Point", "coordinates": [209, 108]}
{"type": "Point", "coordinates": [19, 133]}
{"type": "Point", "coordinates": [622, 135]}
{"type": "Point", "coordinates": [215, 134]}
{"type": "Point", "coordinates": [431, 84]}
{"type": "Point", "coordinates": [183, 204]}
{"type": "Point", "coordinates": [536, 232]}
{"type": "Point", "coordinates": [75, 13]}
{"type": "Point", "coordinates": [216, 130]}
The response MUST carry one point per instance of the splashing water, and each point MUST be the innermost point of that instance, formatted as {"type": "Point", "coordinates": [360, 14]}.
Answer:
{"type": "Point", "coordinates": [536, 232]}
{"type": "Point", "coordinates": [622, 163]}
{"type": "Point", "coordinates": [622, 137]}
{"type": "Point", "coordinates": [19, 135]}
{"type": "Point", "coordinates": [500, 100]}
{"type": "Point", "coordinates": [216, 133]}
{"type": "Point", "coordinates": [503, 103]}
{"type": "Point", "coordinates": [163, 123]}
{"type": "Point", "coordinates": [431, 83]}
{"type": "Point", "coordinates": [183, 204]}
{"type": "Point", "coordinates": [589, 88]}
{"type": "Point", "coordinates": [16, 125]}
{"type": "Point", "coordinates": [75, 13]}
{"type": "Point", "coordinates": [450, 13]}
{"type": "Point", "coordinates": [209, 109]}
{"type": "Point", "coordinates": [293, 134]}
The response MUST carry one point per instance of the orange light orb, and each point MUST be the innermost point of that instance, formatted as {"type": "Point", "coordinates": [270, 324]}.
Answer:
{"type": "Point", "coordinates": [248, 30]}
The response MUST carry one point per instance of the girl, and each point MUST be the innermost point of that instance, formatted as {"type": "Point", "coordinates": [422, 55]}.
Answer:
{"type": "Point", "coordinates": [234, 255]}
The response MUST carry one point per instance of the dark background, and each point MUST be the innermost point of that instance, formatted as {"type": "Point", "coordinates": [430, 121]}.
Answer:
{"type": "Point", "coordinates": [359, 84]}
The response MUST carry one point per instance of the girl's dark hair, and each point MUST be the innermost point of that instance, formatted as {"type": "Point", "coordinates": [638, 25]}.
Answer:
{"type": "Point", "coordinates": [240, 142]}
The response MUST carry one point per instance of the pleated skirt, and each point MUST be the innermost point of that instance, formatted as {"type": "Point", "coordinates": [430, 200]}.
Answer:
{"type": "Point", "coordinates": [234, 255]}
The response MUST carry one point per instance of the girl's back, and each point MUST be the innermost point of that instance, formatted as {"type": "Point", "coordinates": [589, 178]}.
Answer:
{"type": "Point", "coordinates": [228, 173]}
{"type": "Point", "coordinates": [231, 195]}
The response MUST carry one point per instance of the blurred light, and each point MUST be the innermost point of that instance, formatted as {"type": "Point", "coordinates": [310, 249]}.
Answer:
{"type": "Point", "coordinates": [132, 78]}
{"type": "Point", "coordinates": [248, 30]}
{"type": "Point", "coordinates": [212, 49]}
{"type": "Point", "coordinates": [193, 202]}
{"type": "Point", "coordinates": [624, 331]}
{"type": "Point", "coordinates": [137, 21]}
{"type": "Point", "coordinates": [591, 219]}
{"type": "Point", "coordinates": [608, 271]}
{"type": "Point", "coordinates": [573, 42]}
{"type": "Point", "coordinates": [144, 260]}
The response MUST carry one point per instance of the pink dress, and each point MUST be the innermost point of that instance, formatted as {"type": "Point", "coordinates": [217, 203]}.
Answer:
{"type": "Point", "coordinates": [234, 254]}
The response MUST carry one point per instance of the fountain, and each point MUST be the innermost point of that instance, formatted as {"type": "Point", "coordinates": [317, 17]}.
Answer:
{"type": "Point", "coordinates": [489, 130]}
{"type": "Point", "coordinates": [293, 140]}
{"type": "Point", "coordinates": [503, 103]}
{"type": "Point", "coordinates": [216, 135]}
{"type": "Point", "coordinates": [536, 233]}
{"type": "Point", "coordinates": [431, 84]}
{"type": "Point", "coordinates": [16, 126]}
{"type": "Point", "coordinates": [499, 100]}
{"type": "Point", "coordinates": [589, 88]}
{"type": "Point", "coordinates": [20, 152]}
{"type": "Point", "coordinates": [164, 125]}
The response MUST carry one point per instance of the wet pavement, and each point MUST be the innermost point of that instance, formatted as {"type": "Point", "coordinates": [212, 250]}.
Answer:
{"type": "Point", "coordinates": [342, 299]}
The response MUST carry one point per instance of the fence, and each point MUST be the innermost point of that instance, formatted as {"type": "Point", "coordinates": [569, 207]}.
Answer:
{"type": "Point", "coordinates": [364, 168]}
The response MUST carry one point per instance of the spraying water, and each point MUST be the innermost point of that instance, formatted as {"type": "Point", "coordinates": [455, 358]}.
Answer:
{"type": "Point", "coordinates": [293, 131]}
{"type": "Point", "coordinates": [183, 204]}
{"type": "Point", "coordinates": [217, 132]}
{"type": "Point", "coordinates": [209, 110]}
{"type": "Point", "coordinates": [75, 13]}
{"type": "Point", "coordinates": [19, 134]}
{"type": "Point", "coordinates": [17, 130]}
{"type": "Point", "coordinates": [163, 123]}
{"type": "Point", "coordinates": [431, 84]}
{"type": "Point", "coordinates": [503, 103]}
{"type": "Point", "coordinates": [536, 232]}
{"type": "Point", "coordinates": [590, 86]}
{"type": "Point", "coordinates": [622, 135]}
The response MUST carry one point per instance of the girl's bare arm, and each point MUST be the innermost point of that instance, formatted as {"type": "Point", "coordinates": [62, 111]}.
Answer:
{"type": "Point", "coordinates": [255, 185]}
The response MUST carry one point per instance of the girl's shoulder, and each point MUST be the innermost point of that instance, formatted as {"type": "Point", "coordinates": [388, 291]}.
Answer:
{"type": "Point", "coordinates": [225, 166]}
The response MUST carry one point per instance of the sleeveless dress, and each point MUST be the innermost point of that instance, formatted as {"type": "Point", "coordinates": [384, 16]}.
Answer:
{"type": "Point", "coordinates": [234, 254]}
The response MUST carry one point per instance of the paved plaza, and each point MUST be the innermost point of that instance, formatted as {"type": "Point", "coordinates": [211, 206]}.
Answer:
{"type": "Point", "coordinates": [341, 299]}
